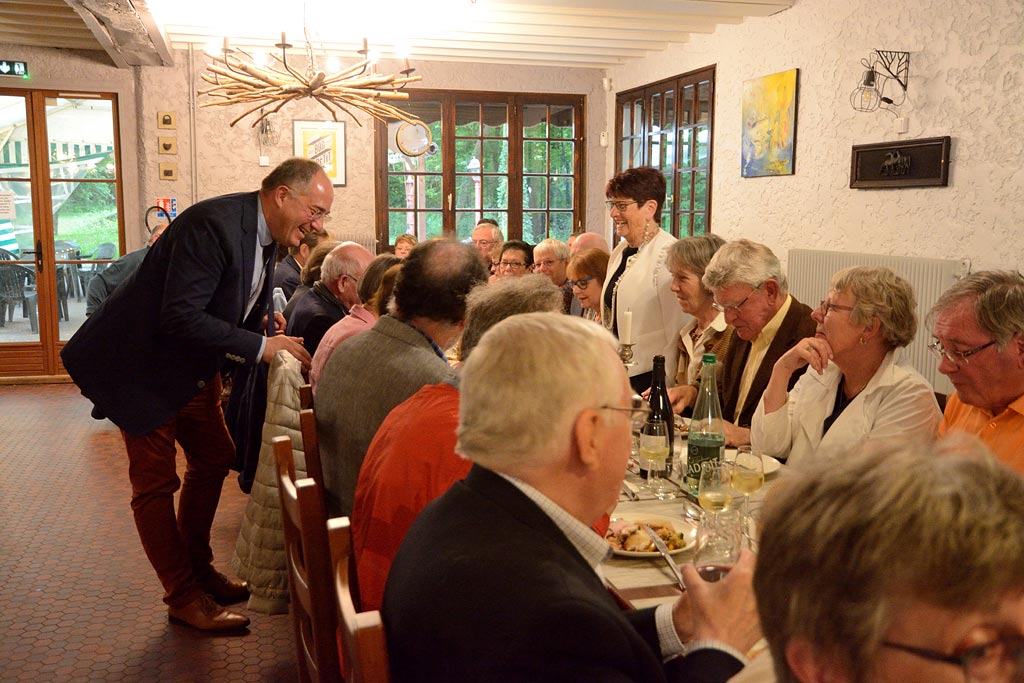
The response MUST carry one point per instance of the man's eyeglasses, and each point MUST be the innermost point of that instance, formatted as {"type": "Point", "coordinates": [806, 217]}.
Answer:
{"type": "Point", "coordinates": [735, 308]}
{"type": "Point", "coordinates": [638, 411]}
{"type": "Point", "coordinates": [547, 263]}
{"type": "Point", "coordinates": [1000, 660]}
{"type": "Point", "coordinates": [581, 284]}
{"type": "Point", "coordinates": [514, 265]}
{"type": "Point", "coordinates": [825, 307]}
{"type": "Point", "coordinates": [484, 243]}
{"type": "Point", "coordinates": [315, 212]}
{"type": "Point", "coordinates": [620, 206]}
{"type": "Point", "coordinates": [957, 358]}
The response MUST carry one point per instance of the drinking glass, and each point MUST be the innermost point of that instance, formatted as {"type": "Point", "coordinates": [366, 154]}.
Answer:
{"type": "Point", "coordinates": [747, 476]}
{"type": "Point", "coordinates": [654, 449]}
{"type": "Point", "coordinates": [718, 545]}
{"type": "Point", "coordinates": [715, 491]}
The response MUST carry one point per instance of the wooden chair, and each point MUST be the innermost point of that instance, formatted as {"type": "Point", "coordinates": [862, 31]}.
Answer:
{"type": "Point", "coordinates": [306, 396]}
{"type": "Point", "coordinates": [364, 652]}
{"type": "Point", "coordinates": [311, 446]}
{"type": "Point", "coordinates": [304, 519]}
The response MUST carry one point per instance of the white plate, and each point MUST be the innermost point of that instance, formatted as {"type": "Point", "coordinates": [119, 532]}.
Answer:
{"type": "Point", "coordinates": [770, 464]}
{"type": "Point", "coordinates": [678, 523]}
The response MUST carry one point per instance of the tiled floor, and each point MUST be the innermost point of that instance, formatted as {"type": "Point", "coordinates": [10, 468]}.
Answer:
{"type": "Point", "coordinates": [78, 599]}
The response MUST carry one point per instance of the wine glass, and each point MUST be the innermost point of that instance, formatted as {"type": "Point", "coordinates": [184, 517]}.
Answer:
{"type": "Point", "coordinates": [654, 450]}
{"type": "Point", "coordinates": [747, 477]}
{"type": "Point", "coordinates": [718, 545]}
{"type": "Point", "coordinates": [715, 491]}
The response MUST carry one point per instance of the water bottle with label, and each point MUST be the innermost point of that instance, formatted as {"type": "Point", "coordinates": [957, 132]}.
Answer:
{"type": "Point", "coordinates": [706, 439]}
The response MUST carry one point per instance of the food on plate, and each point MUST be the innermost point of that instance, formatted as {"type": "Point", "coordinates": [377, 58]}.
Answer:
{"type": "Point", "coordinates": [629, 536]}
{"type": "Point", "coordinates": [682, 424]}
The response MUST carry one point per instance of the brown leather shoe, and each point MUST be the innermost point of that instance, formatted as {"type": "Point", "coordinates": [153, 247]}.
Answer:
{"type": "Point", "coordinates": [224, 590]}
{"type": "Point", "coordinates": [206, 615]}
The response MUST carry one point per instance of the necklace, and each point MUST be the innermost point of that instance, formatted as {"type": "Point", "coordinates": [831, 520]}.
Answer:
{"type": "Point", "coordinates": [609, 312]}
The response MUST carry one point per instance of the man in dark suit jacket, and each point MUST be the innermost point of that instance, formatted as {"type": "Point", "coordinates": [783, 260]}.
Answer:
{"type": "Point", "coordinates": [331, 297]}
{"type": "Point", "coordinates": [498, 579]}
{"type": "Point", "coordinates": [749, 287]}
{"type": "Point", "coordinates": [150, 360]}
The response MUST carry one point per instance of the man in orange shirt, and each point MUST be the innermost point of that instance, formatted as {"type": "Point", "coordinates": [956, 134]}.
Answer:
{"type": "Point", "coordinates": [978, 325]}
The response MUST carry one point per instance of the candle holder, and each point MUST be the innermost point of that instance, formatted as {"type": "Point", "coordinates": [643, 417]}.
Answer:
{"type": "Point", "coordinates": [626, 355]}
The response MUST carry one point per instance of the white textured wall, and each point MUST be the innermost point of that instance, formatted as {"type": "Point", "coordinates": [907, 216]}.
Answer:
{"type": "Point", "coordinates": [966, 75]}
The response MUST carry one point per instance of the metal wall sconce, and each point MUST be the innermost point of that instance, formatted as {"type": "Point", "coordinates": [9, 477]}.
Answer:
{"type": "Point", "coordinates": [882, 66]}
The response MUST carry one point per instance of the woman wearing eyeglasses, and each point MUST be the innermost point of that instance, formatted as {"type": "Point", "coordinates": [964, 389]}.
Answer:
{"type": "Point", "coordinates": [586, 272]}
{"type": "Point", "coordinates": [857, 388]}
{"type": "Point", "coordinates": [638, 281]}
{"type": "Point", "coordinates": [516, 259]}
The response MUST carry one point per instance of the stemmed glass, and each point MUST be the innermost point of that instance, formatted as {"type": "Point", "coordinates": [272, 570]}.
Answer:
{"type": "Point", "coordinates": [718, 545]}
{"type": "Point", "coordinates": [654, 449]}
{"type": "Point", "coordinates": [748, 477]}
{"type": "Point", "coordinates": [715, 491]}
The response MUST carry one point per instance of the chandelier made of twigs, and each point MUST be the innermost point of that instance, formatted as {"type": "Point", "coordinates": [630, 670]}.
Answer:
{"type": "Point", "coordinates": [238, 80]}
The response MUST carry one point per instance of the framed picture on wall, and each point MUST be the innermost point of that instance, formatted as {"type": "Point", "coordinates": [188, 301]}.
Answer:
{"type": "Point", "coordinates": [769, 125]}
{"type": "Point", "coordinates": [324, 143]}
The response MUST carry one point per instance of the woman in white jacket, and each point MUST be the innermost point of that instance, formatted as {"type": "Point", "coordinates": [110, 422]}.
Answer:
{"type": "Point", "coordinates": [638, 280]}
{"type": "Point", "coordinates": [856, 390]}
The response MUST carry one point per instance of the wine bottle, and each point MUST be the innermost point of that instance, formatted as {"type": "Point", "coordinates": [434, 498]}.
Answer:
{"type": "Point", "coordinates": [661, 407]}
{"type": "Point", "coordinates": [706, 440]}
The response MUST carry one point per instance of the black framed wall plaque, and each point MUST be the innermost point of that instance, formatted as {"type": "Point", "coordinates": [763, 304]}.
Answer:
{"type": "Point", "coordinates": [905, 163]}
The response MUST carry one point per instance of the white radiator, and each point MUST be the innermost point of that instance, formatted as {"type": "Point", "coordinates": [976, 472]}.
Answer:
{"type": "Point", "coordinates": [360, 238]}
{"type": "Point", "coordinates": [810, 271]}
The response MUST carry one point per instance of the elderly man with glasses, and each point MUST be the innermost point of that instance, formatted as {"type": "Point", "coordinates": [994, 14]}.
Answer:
{"type": "Point", "coordinates": [978, 325]}
{"type": "Point", "coordinates": [551, 258]}
{"type": "Point", "coordinates": [749, 287]}
{"type": "Point", "coordinates": [500, 578]}
{"type": "Point", "coordinates": [486, 234]}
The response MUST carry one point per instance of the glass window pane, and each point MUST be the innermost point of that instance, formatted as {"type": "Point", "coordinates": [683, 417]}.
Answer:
{"type": "Point", "coordinates": [401, 191]}
{"type": "Point", "coordinates": [16, 236]}
{"type": "Point", "coordinates": [686, 106]}
{"type": "Point", "coordinates": [495, 192]}
{"type": "Point", "coordinates": [703, 102]}
{"type": "Point", "coordinates": [495, 120]}
{"type": "Point", "coordinates": [535, 157]}
{"type": "Point", "coordinates": [627, 146]}
{"type": "Point", "coordinates": [668, 159]}
{"type": "Point", "coordinates": [467, 192]}
{"type": "Point", "coordinates": [703, 145]}
{"type": "Point", "coordinates": [561, 157]}
{"type": "Point", "coordinates": [433, 224]}
{"type": "Point", "coordinates": [467, 156]}
{"type": "Point", "coordinates": [700, 191]}
{"type": "Point", "coordinates": [654, 155]}
{"type": "Point", "coordinates": [74, 125]}
{"type": "Point", "coordinates": [627, 121]}
{"type": "Point", "coordinates": [560, 226]}
{"type": "Point", "coordinates": [467, 119]}
{"type": "Point", "coordinates": [669, 121]}
{"type": "Point", "coordinates": [700, 225]}
{"type": "Point", "coordinates": [535, 226]}
{"type": "Point", "coordinates": [495, 156]}
{"type": "Point", "coordinates": [432, 192]}
{"type": "Point", "coordinates": [561, 193]}
{"type": "Point", "coordinates": [535, 192]}
{"type": "Point", "coordinates": [638, 153]}
{"type": "Point", "coordinates": [535, 121]}
{"type": "Point", "coordinates": [638, 115]}
{"type": "Point", "coordinates": [655, 112]}
{"type": "Point", "coordinates": [562, 118]}
{"type": "Point", "coordinates": [685, 191]}
{"type": "Point", "coordinates": [685, 148]}
{"type": "Point", "coordinates": [399, 223]}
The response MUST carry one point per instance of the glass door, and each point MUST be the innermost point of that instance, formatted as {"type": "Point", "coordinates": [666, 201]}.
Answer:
{"type": "Point", "coordinates": [60, 219]}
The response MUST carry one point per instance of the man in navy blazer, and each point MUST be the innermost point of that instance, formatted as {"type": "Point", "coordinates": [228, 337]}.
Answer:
{"type": "Point", "coordinates": [499, 579]}
{"type": "Point", "coordinates": [150, 359]}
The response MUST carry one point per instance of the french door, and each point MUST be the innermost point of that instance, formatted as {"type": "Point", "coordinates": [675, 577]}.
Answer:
{"type": "Point", "coordinates": [61, 218]}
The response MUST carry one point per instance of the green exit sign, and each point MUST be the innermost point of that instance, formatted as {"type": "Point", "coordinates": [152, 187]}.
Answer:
{"type": "Point", "coordinates": [10, 67]}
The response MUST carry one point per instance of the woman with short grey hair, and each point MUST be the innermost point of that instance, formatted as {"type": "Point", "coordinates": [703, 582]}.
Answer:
{"type": "Point", "coordinates": [858, 389]}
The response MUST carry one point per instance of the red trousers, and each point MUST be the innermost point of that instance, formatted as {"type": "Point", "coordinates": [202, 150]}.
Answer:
{"type": "Point", "coordinates": [179, 547]}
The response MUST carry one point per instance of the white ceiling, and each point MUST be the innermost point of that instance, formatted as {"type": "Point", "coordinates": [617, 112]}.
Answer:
{"type": "Point", "coordinates": [579, 33]}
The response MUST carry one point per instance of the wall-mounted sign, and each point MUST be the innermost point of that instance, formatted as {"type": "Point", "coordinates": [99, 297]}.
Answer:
{"type": "Point", "coordinates": [907, 163]}
{"type": "Point", "coordinates": [9, 67]}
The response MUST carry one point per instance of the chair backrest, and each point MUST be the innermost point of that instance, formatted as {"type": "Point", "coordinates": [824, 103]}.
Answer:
{"type": "Point", "coordinates": [6, 255]}
{"type": "Point", "coordinates": [311, 446]}
{"type": "Point", "coordinates": [306, 396]}
{"type": "Point", "coordinates": [105, 250]}
{"type": "Point", "coordinates": [364, 652]}
{"type": "Point", "coordinates": [304, 519]}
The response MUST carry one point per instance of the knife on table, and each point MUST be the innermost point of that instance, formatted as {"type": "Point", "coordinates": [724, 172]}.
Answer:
{"type": "Point", "coordinates": [663, 549]}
